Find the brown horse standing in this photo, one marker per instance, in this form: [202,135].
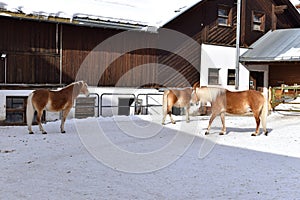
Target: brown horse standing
[54,101]
[177,98]
[223,101]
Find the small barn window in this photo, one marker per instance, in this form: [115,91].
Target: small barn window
[213,76]
[231,77]
[224,16]
[258,21]
[15,110]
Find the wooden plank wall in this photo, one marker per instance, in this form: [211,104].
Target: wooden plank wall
[200,22]
[32,51]
[106,64]
[284,73]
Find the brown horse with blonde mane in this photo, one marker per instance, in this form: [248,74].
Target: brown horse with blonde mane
[179,97]
[54,101]
[239,103]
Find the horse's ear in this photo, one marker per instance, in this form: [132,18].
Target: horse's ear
[81,83]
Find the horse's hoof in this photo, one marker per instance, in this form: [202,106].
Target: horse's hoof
[206,133]
[63,131]
[221,133]
[173,122]
[266,133]
[44,132]
[31,132]
[253,134]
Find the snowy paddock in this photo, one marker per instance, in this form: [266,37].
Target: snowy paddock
[77,166]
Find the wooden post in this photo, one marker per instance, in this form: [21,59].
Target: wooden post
[276,10]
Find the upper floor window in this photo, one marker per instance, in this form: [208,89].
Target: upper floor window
[258,21]
[224,16]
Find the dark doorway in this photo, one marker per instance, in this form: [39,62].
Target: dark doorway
[256,80]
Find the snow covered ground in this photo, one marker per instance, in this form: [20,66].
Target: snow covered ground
[154,162]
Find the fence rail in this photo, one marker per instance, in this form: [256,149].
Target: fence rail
[285,95]
[124,106]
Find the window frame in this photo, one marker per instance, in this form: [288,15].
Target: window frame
[258,19]
[231,77]
[211,77]
[227,16]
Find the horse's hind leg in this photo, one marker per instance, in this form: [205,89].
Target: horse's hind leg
[257,119]
[172,120]
[164,117]
[39,121]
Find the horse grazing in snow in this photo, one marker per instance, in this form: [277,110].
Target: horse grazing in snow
[178,98]
[54,101]
[223,101]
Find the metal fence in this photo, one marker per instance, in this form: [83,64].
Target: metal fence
[128,101]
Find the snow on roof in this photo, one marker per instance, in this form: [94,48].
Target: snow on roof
[144,12]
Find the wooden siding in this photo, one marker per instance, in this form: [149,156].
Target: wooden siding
[200,22]
[31,49]
[83,48]
[284,73]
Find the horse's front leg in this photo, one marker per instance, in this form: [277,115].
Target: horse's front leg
[213,116]
[187,114]
[63,119]
[223,131]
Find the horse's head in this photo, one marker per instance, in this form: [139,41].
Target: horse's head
[84,88]
[194,97]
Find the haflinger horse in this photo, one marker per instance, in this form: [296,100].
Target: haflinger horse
[179,97]
[224,101]
[53,101]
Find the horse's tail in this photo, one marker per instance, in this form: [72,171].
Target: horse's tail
[264,114]
[29,111]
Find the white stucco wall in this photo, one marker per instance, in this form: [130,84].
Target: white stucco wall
[223,58]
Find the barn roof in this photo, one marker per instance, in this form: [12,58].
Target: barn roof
[275,46]
[134,13]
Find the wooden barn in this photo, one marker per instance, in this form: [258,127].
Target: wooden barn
[197,43]
[40,50]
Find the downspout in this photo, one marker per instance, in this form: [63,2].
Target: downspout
[60,54]
[238,36]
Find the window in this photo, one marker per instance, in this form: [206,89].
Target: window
[258,21]
[213,76]
[224,16]
[15,110]
[231,77]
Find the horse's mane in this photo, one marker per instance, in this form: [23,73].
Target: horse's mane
[210,93]
[73,87]
[74,83]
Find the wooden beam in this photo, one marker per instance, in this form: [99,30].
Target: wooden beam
[280,9]
[274,18]
[276,10]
